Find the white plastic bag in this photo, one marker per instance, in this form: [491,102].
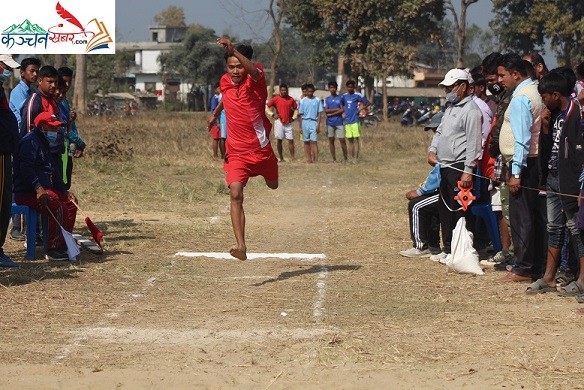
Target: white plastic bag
[463,257]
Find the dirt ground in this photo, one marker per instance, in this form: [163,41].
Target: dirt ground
[362,317]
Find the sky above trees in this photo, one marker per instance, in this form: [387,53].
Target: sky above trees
[243,18]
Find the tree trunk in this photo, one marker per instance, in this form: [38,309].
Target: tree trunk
[80,96]
[58,60]
[276,21]
[384,93]
[461,35]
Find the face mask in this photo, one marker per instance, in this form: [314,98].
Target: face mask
[494,88]
[51,136]
[5,75]
[452,97]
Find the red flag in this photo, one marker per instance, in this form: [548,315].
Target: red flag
[95,232]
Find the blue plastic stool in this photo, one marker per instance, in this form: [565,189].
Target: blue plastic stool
[31,216]
[485,211]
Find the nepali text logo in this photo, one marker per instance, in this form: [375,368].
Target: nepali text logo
[31,34]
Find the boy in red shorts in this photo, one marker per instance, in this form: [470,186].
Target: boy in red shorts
[248,152]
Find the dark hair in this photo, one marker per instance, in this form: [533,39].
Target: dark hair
[28,62]
[303,86]
[512,62]
[491,62]
[580,69]
[333,84]
[535,58]
[569,75]
[310,86]
[245,50]
[530,70]
[283,86]
[350,82]
[65,71]
[48,71]
[552,82]
[477,76]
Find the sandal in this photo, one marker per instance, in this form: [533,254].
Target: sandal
[571,290]
[564,278]
[580,298]
[540,286]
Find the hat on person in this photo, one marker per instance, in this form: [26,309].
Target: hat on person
[9,61]
[434,122]
[46,118]
[453,76]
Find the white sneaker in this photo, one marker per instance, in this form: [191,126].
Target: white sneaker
[439,258]
[446,260]
[502,256]
[415,252]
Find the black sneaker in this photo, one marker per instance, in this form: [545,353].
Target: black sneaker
[16,235]
[57,255]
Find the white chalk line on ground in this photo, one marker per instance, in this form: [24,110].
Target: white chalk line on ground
[252,256]
[318,308]
[195,337]
[80,337]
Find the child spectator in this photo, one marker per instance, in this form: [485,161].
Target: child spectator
[309,111]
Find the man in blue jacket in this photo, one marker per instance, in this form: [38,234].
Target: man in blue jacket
[38,182]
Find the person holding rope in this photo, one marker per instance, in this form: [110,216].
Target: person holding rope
[456,145]
[519,146]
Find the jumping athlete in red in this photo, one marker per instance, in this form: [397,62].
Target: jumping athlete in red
[248,151]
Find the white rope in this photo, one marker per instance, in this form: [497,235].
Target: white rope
[527,188]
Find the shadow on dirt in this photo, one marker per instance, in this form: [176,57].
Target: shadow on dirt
[315,269]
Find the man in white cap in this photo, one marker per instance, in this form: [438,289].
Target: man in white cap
[9,137]
[457,147]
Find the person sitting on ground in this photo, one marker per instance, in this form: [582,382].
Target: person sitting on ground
[38,183]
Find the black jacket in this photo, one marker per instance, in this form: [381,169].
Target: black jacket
[570,159]
[8,126]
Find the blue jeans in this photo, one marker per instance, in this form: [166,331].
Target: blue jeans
[558,218]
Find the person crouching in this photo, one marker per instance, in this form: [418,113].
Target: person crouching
[38,183]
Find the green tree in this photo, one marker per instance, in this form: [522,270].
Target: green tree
[171,16]
[524,25]
[381,37]
[196,61]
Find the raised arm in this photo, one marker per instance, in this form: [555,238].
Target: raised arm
[247,64]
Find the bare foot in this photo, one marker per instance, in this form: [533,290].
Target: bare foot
[238,252]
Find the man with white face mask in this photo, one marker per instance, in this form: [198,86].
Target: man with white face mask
[9,144]
[38,182]
[457,147]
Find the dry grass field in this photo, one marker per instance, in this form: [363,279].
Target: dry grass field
[359,317]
